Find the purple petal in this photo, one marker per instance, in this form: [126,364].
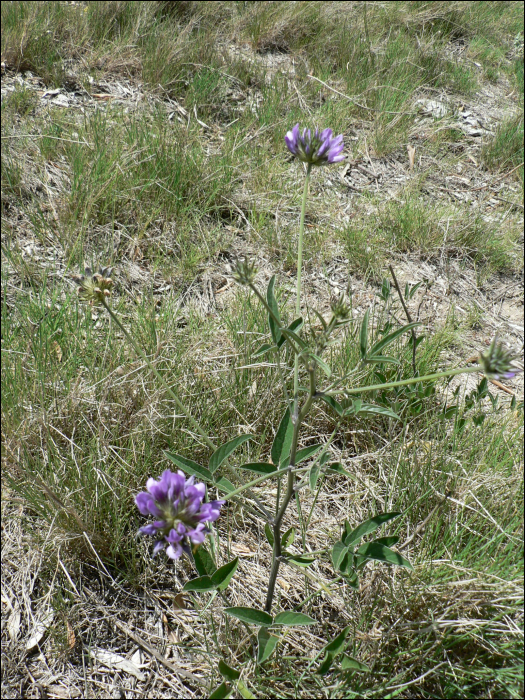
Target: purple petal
[174,537]
[146,505]
[195,492]
[210,511]
[291,139]
[158,547]
[198,534]
[174,551]
[149,529]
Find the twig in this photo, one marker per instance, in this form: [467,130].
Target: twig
[151,650]
[409,317]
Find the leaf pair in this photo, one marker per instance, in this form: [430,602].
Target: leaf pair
[373,354]
[267,639]
[218,580]
[348,561]
[333,649]
[357,407]
[218,457]
[278,333]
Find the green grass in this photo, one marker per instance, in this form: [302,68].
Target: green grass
[169,182]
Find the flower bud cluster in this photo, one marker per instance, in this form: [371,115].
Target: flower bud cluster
[497,362]
[244,272]
[94,286]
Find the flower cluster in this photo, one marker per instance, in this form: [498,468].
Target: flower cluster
[177,503]
[497,362]
[319,149]
[94,286]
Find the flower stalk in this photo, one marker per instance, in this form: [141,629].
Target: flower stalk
[299,278]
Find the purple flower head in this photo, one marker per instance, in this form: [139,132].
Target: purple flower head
[177,504]
[497,362]
[319,149]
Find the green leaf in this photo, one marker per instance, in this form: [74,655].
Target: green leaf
[321,319]
[306,452]
[295,326]
[269,534]
[379,552]
[324,667]
[251,616]
[243,690]
[300,560]
[203,561]
[288,538]
[335,405]
[283,439]
[410,291]
[259,467]
[201,584]
[290,335]
[377,347]
[382,359]
[322,364]
[353,408]
[313,476]
[379,410]
[350,664]
[228,672]
[363,336]
[346,565]
[222,577]
[267,641]
[301,455]
[221,691]
[188,466]
[224,451]
[352,580]
[388,541]
[272,303]
[225,485]
[337,468]
[367,527]
[263,350]
[338,552]
[291,619]
[332,649]
[337,644]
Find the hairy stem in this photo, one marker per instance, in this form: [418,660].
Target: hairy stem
[299,277]
[404,382]
[277,550]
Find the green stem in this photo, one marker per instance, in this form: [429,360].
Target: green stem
[404,382]
[299,276]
